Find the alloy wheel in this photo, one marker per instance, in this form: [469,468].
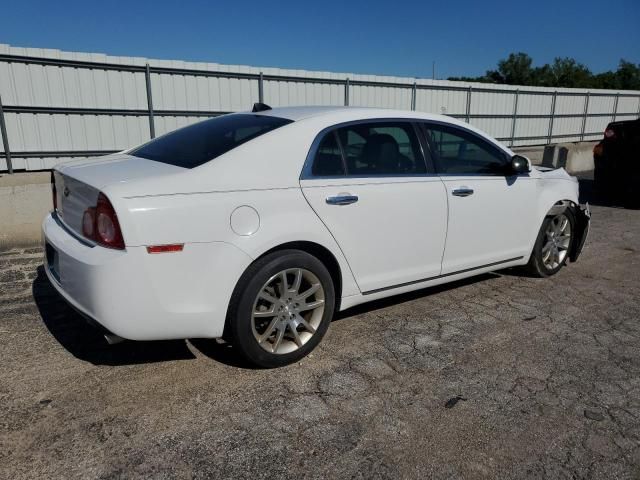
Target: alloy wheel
[288,310]
[557,242]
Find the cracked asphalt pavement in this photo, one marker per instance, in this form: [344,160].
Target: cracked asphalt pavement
[500,376]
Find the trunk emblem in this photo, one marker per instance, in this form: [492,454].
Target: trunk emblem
[66,191]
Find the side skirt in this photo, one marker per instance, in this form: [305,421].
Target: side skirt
[422,280]
[372,295]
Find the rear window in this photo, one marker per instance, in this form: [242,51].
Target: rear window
[199,143]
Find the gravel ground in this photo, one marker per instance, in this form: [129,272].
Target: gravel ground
[547,371]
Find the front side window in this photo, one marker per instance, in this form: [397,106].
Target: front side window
[458,152]
[201,142]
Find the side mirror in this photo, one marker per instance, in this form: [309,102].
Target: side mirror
[520,164]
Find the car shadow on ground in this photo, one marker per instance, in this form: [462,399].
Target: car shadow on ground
[221,352]
[87,343]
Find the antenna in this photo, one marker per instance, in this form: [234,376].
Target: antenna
[260,107]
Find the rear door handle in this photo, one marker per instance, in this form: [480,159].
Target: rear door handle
[342,199]
[462,192]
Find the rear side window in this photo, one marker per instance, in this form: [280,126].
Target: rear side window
[369,149]
[458,152]
[328,160]
[381,148]
[201,142]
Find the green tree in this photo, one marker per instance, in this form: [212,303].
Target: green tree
[565,72]
[605,80]
[542,76]
[628,76]
[515,70]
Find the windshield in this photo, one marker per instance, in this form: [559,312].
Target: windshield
[201,142]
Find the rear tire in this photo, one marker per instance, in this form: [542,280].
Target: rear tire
[281,308]
[551,250]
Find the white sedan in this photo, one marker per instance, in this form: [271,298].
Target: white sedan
[256,227]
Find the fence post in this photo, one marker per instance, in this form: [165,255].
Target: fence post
[615,107]
[5,139]
[584,116]
[515,114]
[413,96]
[468,113]
[346,92]
[152,127]
[553,113]
[261,88]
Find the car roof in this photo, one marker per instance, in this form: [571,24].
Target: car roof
[357,113]
[337,115]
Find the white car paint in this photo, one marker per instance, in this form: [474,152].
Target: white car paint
[396,231]
[495,225]
[404,233]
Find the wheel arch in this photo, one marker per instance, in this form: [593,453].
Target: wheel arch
[322,253]
[557,208]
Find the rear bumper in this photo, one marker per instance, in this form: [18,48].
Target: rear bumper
[139,296]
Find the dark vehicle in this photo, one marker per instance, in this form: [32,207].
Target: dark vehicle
[617,162]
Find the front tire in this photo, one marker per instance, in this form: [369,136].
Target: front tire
[281,308]
[551,250]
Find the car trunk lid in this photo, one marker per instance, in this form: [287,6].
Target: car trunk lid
[78,183]
[117,168]
[73,197]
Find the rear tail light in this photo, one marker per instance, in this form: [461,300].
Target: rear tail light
[100,224]
[54,192]
[609,133]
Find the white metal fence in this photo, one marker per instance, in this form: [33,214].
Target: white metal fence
[58,105]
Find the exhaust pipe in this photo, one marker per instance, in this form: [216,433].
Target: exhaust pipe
[113,339]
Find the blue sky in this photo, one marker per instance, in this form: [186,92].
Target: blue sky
[383,37]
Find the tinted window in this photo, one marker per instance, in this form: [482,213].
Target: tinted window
[328,161]
[460,152]
[381,149]
[199,143]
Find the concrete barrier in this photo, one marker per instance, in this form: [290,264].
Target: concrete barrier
[573,157]
[25,199]
[532,153]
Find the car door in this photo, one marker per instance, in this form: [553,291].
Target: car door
[490,210]
[370,185]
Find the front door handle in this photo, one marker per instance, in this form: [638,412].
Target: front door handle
[462,192]
[342,199]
